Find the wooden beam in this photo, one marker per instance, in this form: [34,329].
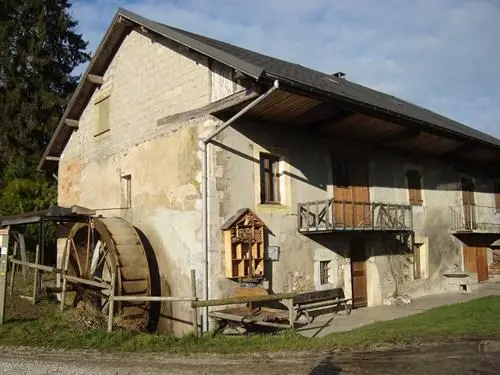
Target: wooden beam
[212,108]
[125,21]
[52,158]
[71,123]
[96,79]
[245,299]
[403,135]
[458,151]
[336,120]
[320,112]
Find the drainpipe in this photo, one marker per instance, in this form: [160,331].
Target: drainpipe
[204,191]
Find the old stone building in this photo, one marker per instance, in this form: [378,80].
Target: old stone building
[349,187]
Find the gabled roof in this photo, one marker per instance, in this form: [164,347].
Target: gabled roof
[261,68]
[239,215]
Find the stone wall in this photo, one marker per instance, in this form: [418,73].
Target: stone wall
[147,80]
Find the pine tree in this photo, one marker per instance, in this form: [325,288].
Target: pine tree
[39,49]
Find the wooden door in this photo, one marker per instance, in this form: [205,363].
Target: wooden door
[358,273]
[351,192]
[476,260]
[469,204]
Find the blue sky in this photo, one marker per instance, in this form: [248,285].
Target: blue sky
[440,54]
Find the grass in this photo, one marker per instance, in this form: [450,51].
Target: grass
[43,325]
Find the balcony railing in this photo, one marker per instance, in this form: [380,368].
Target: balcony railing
[474,218]
[341,215]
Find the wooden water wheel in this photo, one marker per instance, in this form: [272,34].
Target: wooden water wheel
[96,250]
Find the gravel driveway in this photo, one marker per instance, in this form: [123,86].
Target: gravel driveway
[463,358]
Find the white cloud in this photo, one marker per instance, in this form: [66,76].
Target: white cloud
[442,54]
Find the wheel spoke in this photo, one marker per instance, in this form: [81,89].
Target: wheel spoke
[76,257]
[101,260]
[95,258]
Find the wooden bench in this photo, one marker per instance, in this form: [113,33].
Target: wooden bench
[305,303]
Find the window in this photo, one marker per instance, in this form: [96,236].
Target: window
[269,179]
[101,119]
[414,179]
[496,191]
[324,272]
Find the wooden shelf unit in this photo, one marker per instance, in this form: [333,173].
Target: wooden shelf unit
[244,248]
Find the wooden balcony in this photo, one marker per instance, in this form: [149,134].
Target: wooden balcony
[472,218]
[339,215]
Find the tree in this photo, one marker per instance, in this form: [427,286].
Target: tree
[39,50]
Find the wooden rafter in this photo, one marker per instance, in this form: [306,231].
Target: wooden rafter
[96,79]
[405,134]
[71,123]
[459,151]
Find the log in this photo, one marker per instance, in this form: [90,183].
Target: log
[238,300]
[245,320]
[152,299]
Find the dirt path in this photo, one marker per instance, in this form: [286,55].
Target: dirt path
[451,359]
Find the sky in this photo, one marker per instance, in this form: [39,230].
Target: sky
[441,54]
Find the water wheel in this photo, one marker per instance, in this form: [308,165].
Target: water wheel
[99,248]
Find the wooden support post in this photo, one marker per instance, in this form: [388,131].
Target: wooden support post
[299,216]
[308,208]
[42,255]
[327,214]
[13,271]
[111,302]
[343,213]
[195,309]
[35,278]
[317,216]
[291,313]
[64,272]
[4,246]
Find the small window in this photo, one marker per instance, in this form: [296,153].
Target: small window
[101,122]
[324,272]
[496,191]
[414,179]
[269,179]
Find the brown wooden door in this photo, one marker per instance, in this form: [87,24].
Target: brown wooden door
[358,273]
[476,260]
[351,191]
[469,204]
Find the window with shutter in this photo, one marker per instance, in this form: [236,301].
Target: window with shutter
[101,118]
[269,178]
[414,179]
